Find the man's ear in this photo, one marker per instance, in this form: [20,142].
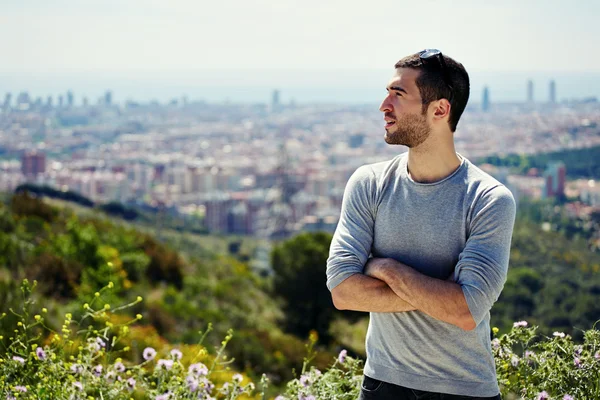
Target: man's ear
[442,108]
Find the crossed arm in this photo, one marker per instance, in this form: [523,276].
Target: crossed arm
[390,286]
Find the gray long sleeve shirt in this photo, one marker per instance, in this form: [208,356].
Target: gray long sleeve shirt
[463,225]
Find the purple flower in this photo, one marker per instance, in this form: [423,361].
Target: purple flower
[342,356]
[149,353]
[165,396]
[100,342]
[578,350]
[542,396]
[514,361]
[192,383]
[557,334]
[130,383]
[19,359]
[305,380]
[597,355]
[119,367]
[21,389]
[40,353]
[496,343]
[238,378]
[207,385]
[577,362]
[317,372]
[176,354]
[280,397]
[77,368]
[520,324]
[78,385]
[198,369]
[164,364]
[307,397]
[567,397]
[97,370]
[529,354]
[110,376]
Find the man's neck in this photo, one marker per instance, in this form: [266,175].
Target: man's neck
[426,165]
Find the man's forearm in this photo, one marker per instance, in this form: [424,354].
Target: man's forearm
[443,300]
[363,293]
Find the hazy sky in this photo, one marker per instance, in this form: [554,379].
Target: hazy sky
[177,35]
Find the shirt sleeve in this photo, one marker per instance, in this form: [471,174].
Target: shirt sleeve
[483,264]
[353,237]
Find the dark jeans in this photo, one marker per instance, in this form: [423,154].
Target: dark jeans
[373,389]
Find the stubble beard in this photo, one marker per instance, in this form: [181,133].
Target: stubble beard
[409,130]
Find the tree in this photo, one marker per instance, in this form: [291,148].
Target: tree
[299,265]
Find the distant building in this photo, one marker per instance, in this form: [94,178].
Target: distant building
[485,101]
[552,93]
[554,180]
[530,91]
[60,101]
[33,163]
[108,98]
[70,99]
[7,101]
[275,101]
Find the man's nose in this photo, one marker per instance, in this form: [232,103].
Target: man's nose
[385,105]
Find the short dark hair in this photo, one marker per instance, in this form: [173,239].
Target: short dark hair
[432,86]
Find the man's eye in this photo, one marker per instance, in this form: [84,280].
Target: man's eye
[398,94]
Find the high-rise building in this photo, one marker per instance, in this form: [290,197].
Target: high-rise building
[33,163]
[70,99]
[7,100]
[530,91]
[49,101]
[108,98]
[60,101]
[554,180]
[85,102]
[485,101]
[275,101]
[552,92]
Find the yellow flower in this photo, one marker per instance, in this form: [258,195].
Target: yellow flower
[139,316]
[495,330]
[44,310]
[37,317]
[139,298]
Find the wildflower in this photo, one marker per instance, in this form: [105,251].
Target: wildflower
[130,383]
[495,330]
[164,364]
[250,386]
[176,354]
[308,397]
[514,361]
[558,334]
[225,388]
[542,396]
[78,385]
[305,380]
[165,396]
[100,342]
[40,353]
[317,372]
[342,356]
[577,362]
[198,369]
[110,376]
[207,385]
[578,350]
[567,397]
[119,367]
[238,378]
[280,397]
[496,343]
[597,355]
[192,383]
[520,324]
[529,354]
[21,389]
[149,353]
[19,359]
[97,370]
[76,368]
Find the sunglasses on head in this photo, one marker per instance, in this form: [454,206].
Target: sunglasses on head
[434,56]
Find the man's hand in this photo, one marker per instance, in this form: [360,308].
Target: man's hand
[377,267]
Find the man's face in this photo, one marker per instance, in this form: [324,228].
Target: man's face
[406,124]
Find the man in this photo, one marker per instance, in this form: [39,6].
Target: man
[439,231]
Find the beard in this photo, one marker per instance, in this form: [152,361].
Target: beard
[410,130]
